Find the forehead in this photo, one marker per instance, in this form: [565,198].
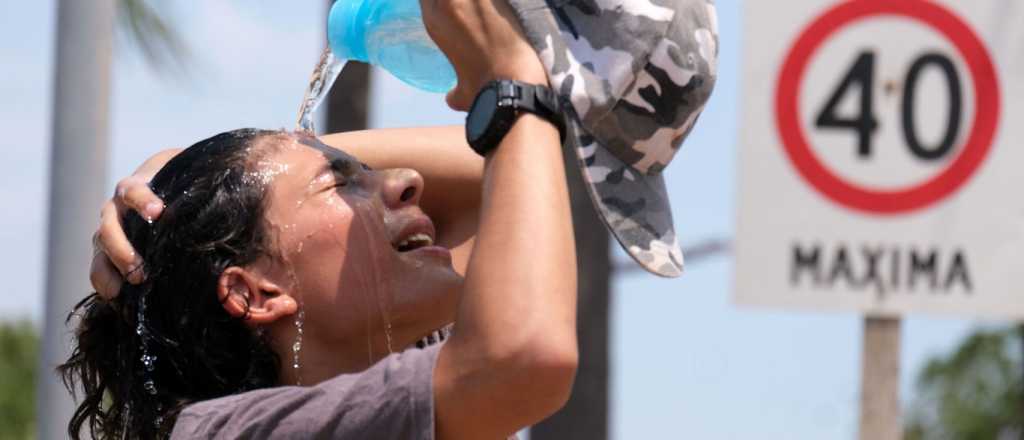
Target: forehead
[328,152]
[305,154]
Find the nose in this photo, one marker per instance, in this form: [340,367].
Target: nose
[401,187]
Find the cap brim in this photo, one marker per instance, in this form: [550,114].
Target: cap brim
[634,206]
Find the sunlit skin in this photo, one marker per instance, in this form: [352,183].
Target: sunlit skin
[512,357]
[332,222]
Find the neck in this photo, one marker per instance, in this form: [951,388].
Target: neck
[320,360]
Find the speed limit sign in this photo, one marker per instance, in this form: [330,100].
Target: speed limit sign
[881,158]
[860,80]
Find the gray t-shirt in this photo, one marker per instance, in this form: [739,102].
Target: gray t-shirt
[393,399]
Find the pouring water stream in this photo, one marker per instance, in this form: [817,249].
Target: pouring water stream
[326,71]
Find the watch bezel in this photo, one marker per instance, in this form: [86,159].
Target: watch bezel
[501,119]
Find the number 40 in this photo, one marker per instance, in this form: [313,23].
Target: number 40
[862,73]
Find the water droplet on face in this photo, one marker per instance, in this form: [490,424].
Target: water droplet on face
[265,172]
[380,285]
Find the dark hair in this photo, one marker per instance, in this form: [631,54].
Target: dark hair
[213,220]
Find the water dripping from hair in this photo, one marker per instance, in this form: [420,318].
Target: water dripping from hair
[263,174]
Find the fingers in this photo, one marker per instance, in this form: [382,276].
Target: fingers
[104,277]
[458,99]
[484,41]
[134,193]
[111,242]
[114,258]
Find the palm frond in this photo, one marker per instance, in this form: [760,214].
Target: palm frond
[150,32]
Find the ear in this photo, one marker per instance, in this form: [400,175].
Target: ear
[244,293]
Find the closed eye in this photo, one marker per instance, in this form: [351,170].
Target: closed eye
[340,170]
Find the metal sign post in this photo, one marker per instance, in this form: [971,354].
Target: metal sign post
[880,380]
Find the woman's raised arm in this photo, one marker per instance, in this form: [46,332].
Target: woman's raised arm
[512,356]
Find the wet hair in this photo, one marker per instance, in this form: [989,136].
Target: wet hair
[213,220]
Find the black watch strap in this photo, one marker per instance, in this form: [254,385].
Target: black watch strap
[513,98]
[539,100]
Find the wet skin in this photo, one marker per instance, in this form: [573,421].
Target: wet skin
[333,224]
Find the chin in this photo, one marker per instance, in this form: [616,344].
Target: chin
[428,295]
[436,309]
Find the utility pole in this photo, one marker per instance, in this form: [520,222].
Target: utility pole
[348,104]
[585,416]
[78,178]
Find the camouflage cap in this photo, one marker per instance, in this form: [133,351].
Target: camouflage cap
[632,76]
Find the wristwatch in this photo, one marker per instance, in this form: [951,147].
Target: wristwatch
[500,103]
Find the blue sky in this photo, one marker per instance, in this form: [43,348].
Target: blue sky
[687,363]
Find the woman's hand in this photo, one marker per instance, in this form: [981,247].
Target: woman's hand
[484,41]
[114,259]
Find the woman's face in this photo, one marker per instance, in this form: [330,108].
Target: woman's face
[354,248]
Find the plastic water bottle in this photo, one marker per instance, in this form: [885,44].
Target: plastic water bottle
[389,34]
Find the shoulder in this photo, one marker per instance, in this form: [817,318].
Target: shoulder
[391,399]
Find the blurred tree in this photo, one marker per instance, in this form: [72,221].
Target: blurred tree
[19,351]
[152,35]
[976,392]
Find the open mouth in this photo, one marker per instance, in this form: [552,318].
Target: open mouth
[413,242]
[435,337]
[417,233]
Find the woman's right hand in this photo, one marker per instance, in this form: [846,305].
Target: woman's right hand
[114,259]
[484,41]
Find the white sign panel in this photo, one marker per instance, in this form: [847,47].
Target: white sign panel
[882,157]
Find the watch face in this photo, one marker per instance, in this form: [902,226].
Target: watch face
[481,113]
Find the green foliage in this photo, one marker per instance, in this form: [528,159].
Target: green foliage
[19,350]
[159,43]
[976,392]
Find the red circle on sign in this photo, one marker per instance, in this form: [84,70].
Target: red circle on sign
[975,149]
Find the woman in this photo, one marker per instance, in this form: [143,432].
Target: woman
[279,261]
